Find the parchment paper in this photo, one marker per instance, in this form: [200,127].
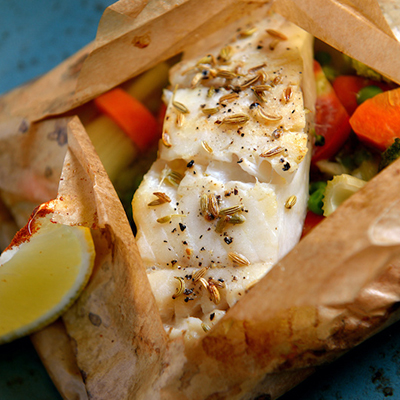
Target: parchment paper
[342,287]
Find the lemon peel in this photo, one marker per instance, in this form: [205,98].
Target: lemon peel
[42,272]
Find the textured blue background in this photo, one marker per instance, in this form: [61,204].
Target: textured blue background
[35,35]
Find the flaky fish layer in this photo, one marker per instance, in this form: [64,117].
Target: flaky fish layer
[227,197]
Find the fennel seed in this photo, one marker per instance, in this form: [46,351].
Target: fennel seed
[276,34]
[228,98]
[213,207]
[166,139]
[267,117]
[238,258]
[214,293]
[273,151]
[161,199]
[174,178]
[206,146]
[199,274]
[247,32]
[256,68]
[236,119]
[210,111]
[231,210]
[181,287]
[223,73]
[290,202]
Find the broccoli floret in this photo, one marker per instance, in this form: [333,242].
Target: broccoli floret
[362,69]
[391,154]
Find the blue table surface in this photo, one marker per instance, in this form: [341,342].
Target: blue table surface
[36,35]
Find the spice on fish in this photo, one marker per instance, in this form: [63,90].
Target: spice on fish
[221,224]
[231,210]
[199,274]
[236,119]
[206,146]
[287,94]
[290,202]
[228,98]
[276,34]
[247,32]
[210,111]
[223,73]
[236,219]
[181,287]
[225,54]
[272,152]
[267,117]
[238,258]
[174,178]
[213,206]
[214,293]
[161,199]
[166,139]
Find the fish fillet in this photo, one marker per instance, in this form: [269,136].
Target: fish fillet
[227,196]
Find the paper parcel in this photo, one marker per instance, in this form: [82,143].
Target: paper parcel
[336,288]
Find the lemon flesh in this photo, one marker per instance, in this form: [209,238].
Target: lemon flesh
[40,278]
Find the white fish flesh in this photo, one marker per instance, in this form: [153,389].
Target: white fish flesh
[227,197]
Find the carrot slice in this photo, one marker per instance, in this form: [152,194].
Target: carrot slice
[131,116]
[376,121]
[331,119]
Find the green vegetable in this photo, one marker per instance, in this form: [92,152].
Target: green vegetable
[330,72]
[323,57]
[363,70]
[367,93]
[358,160]
[319,140]
[315,201]
[339,189]
[391,154]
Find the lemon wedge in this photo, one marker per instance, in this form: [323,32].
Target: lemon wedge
[42,272]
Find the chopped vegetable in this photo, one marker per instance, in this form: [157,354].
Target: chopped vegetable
[311,221]
[330,73]
[331,168]
[317,192]
[323,58]
[367,93]
[339,189]
[358,160]
[377,121]
[391,154]
[362,69]
[367,169]
[115,149]
[331,120]
[131,116]
[348,87]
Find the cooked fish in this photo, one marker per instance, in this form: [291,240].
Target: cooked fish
[227,197]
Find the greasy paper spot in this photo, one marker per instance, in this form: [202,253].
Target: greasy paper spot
[385,231]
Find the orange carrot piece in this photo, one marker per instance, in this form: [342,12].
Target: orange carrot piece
[377,120]
[131,116]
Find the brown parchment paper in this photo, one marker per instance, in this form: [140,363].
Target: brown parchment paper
[343,283]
